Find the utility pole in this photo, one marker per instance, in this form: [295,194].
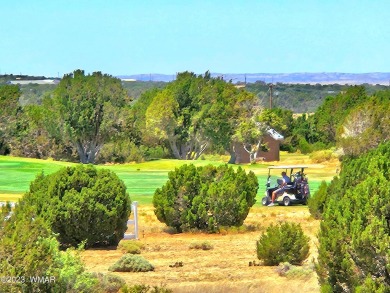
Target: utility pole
[270,95]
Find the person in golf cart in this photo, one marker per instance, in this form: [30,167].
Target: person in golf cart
[283,184]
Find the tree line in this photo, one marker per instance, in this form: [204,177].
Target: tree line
[91,115]
[301,98]
[92,119]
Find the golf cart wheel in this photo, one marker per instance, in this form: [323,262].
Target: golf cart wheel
[286,201]
[265,201]
[306,199]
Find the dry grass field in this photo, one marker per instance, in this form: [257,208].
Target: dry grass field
[225,268]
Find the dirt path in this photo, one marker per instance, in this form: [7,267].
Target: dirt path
[225,268]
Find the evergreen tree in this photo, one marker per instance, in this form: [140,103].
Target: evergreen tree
[205,198]
[81,204]
[355,231]
[195,112]
[89,107]
[9,108]
[29,249]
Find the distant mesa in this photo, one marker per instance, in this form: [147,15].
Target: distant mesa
[148,77]
[382,78]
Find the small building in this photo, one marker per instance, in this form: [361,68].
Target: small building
[271,139]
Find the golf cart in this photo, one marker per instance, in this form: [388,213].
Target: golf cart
[295,192]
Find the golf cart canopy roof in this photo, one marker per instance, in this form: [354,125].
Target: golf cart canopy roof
[287,167]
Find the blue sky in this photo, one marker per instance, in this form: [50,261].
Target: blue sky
[127,37]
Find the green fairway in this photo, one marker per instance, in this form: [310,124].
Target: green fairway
[140,179]
[17,173]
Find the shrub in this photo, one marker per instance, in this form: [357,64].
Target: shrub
[316,203]
[135,154]
[120,151]
[129,246]
[109,283]
[283,243]
[22,240]
[28,248]
[321,156]
[5,212]
[318,146]
[201,245]
[304,146]
[81,204]
[145,289]
[153,153]
[131,263]
[205,198]
[294,272]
